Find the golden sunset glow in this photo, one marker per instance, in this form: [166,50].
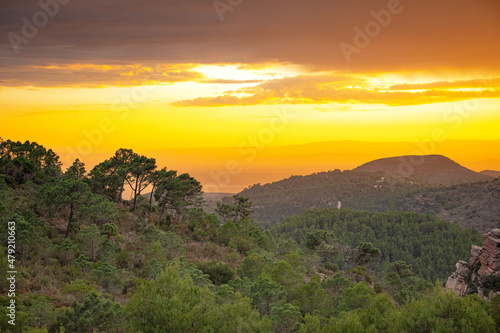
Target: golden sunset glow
[285,103]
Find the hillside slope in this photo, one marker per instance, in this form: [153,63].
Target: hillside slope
[369,191]
[491,173]
[432,246]
[474,205]
[432,169]
[470,205]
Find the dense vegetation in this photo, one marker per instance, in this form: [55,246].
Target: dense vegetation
[475,205]
[430,245]
[89,261]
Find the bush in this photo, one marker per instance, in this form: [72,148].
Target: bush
[333,267]
[242,244]
[491,282]
[219,273]
[110,229]
[95,313]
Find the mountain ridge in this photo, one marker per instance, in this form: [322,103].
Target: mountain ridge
[433,169]
[474,204]
[491,173]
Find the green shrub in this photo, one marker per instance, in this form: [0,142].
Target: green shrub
[218,272]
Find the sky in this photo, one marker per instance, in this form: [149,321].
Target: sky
[237,92]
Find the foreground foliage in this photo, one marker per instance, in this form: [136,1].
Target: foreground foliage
[90,261]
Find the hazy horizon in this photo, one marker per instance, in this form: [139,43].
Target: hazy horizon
[267,88]
[278,162]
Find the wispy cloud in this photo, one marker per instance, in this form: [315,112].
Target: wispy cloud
[326,89]
[228,81]
[94,75]
[493,83]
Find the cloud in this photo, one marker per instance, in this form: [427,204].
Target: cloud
[327,89]
[426,34]
[225,81]
[92,76]
[486,83]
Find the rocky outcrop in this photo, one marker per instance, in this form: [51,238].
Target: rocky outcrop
[475,251]
[482,273]
[490,255]
[457,281]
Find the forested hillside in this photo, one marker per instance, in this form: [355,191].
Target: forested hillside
[356,190]
[86,260]
[430,245]
[474,205]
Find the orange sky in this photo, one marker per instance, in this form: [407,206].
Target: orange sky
[257,93]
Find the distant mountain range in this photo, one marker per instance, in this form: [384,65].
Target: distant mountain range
[431,169]
[431,184]
[491,173]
